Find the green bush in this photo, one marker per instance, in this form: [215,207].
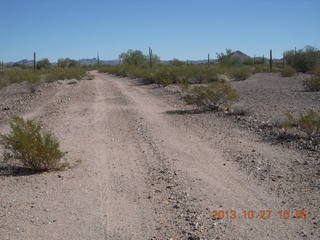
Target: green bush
[43,63]
[32,147]
[67,63]
[288,71]
[240,73]
[18,76]
[308,122]
[214,96]
[65,73]
[303,60]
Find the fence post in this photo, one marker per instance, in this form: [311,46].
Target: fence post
[34,61]
[150,57]
[270,61]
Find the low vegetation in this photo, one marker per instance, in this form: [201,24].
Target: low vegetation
[31,146]
[312,84]
[288,71]
[214,96]
[33,78]
[240,73]
[308,123]
[65,73]
[303,60]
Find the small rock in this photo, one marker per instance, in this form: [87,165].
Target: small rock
[73,81]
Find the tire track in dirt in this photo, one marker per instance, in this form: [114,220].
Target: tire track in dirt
[141,176]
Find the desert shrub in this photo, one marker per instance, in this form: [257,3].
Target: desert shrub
[248,61]
[133,57]
[3,81]
[288,71]
[168,73]
[308,122]
[137,58]
[31,146]
[313,83]
[65,73]
[43,63]
[303,60]
[177,62]
[18,76]
[214,96]
[227,59]
[165,82]
[10,76]
[67,63]
[240,73]
[261,68]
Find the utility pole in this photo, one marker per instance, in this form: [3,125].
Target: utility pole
[98,59]
[208,59]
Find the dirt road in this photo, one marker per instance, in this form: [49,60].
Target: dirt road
[140,171]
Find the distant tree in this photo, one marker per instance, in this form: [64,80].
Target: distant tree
[133,57]
[176,62]
[303,60]
[67,63]
[226,58]
[223,56]
[44,63]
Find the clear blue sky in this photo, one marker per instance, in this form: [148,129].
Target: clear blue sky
[186,29]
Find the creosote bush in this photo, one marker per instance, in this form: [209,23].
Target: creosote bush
[288,71]
[303,60]
[308,122]
[65,73]
[31,146]
[240,73]
[214,96]
[34,78]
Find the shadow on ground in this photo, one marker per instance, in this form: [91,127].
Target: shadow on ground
[187,112]
[14,171]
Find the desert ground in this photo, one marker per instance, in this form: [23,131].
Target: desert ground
[146,166]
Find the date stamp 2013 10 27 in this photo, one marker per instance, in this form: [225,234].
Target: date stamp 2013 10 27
[262,214]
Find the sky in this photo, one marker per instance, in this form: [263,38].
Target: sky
[183,29]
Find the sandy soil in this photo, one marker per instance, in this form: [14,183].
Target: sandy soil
[145,167]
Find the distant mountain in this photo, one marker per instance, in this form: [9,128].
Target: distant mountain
[191,61]
[239,56]
[93,61]
[25,62]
